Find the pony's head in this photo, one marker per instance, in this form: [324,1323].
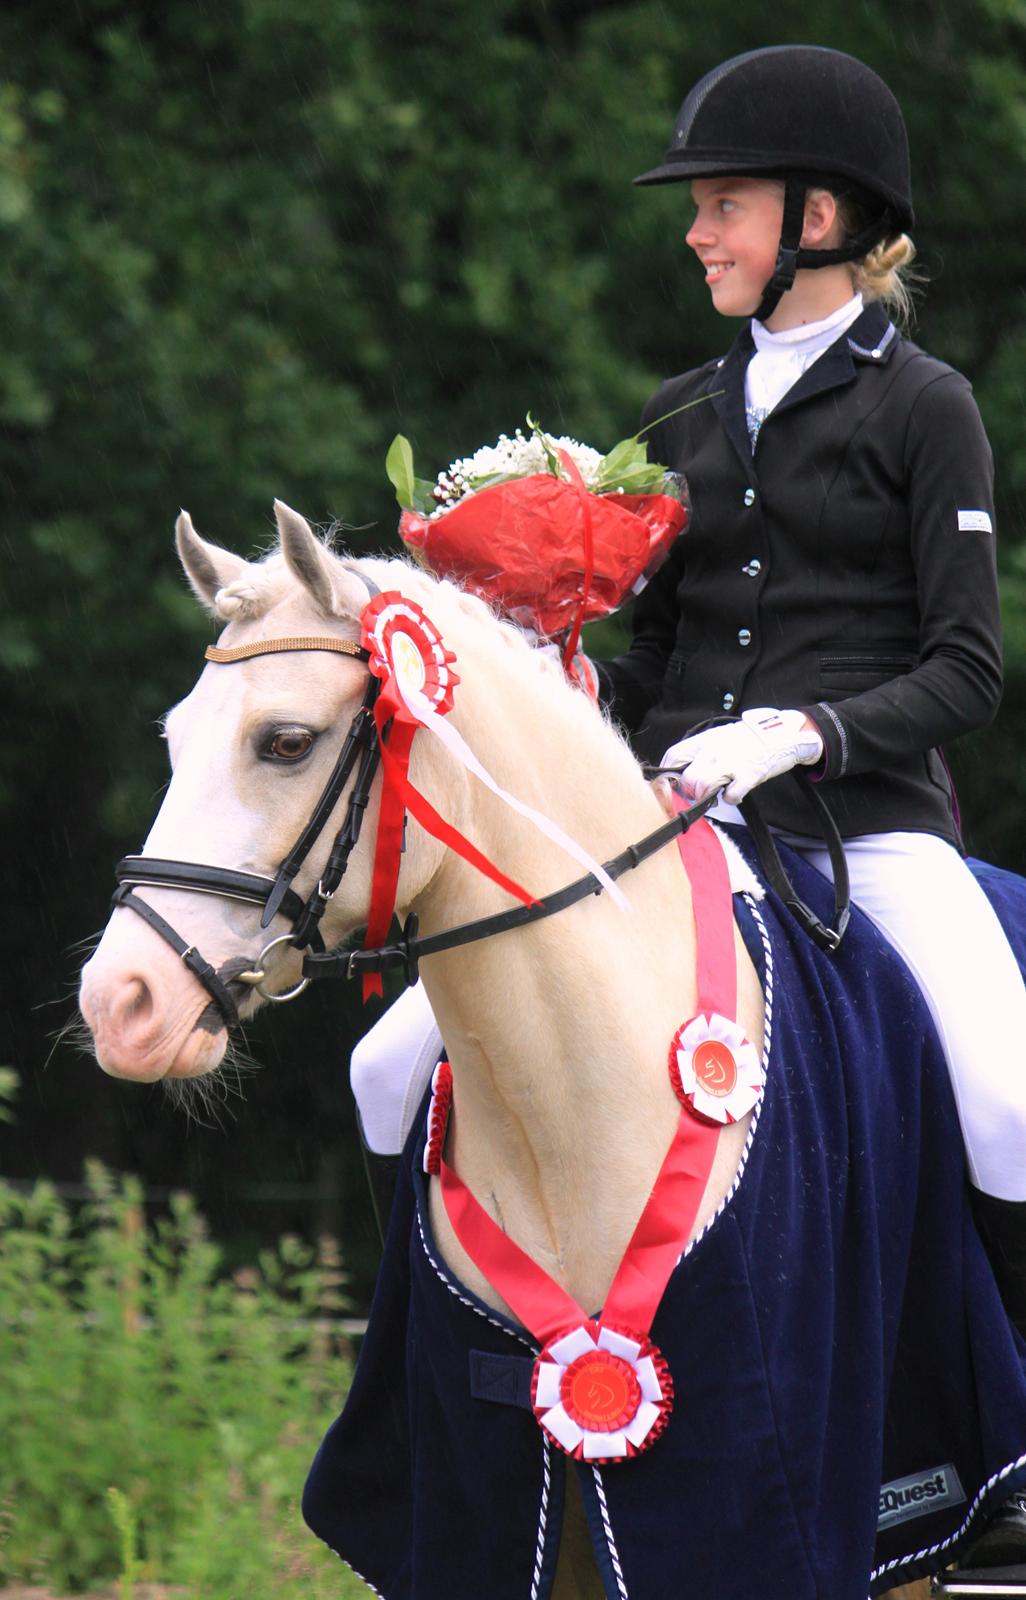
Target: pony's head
[252,748]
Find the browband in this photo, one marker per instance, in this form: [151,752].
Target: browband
[273,647]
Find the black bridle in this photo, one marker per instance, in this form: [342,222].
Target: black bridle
[361,753]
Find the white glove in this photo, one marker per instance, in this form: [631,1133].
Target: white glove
[762,745]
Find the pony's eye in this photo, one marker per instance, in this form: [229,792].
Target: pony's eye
[290,744]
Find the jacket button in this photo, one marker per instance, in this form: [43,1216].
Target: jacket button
[728,700]
[744,636]
[752,568]
[749,497]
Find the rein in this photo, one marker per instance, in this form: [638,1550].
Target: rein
[408,951]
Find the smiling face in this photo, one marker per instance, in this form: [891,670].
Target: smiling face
[735,234]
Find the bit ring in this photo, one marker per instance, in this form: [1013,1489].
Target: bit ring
[257,976]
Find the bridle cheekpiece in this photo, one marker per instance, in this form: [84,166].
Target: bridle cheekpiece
[360,751]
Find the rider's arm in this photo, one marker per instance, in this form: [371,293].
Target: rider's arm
[956,685]
[631,683]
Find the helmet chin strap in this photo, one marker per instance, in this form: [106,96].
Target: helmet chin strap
[787,251]
[791,258]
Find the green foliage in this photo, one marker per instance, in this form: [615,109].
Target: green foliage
[157,1418]
[245,244]
[126,1522]
[8,1091]
[399,470]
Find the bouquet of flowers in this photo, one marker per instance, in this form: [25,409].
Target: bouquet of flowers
[548,530]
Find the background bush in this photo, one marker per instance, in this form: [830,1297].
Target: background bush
[158,1419]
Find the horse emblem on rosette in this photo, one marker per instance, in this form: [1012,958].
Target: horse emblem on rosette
[669,1297]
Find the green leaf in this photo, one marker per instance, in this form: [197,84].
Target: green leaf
[551,458]
[423,496]
[399,467]
[645,478]
[628,453]
[9,1084]
[489,481]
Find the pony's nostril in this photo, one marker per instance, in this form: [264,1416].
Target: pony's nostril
[132,1010]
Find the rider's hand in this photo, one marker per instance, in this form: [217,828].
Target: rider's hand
[763,744]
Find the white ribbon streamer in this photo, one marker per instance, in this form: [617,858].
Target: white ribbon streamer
[420,707]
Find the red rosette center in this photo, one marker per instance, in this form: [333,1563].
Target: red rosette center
[717,1073]
[715,1068]
[600,1392]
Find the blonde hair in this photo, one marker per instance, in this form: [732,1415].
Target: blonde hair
[886,273]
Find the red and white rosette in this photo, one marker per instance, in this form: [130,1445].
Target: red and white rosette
[437,1117]
[601,1395]
[407,651]
[715,1071]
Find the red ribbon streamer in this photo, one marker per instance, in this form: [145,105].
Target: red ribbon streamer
[588,537]
[715,963]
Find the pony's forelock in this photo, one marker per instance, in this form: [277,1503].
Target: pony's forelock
[265,582]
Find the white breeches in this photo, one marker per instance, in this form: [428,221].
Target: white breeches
[390,1067]
[926,902]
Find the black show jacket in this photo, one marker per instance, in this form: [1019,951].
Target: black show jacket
[847,568]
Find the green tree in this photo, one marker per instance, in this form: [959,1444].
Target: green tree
[245,243]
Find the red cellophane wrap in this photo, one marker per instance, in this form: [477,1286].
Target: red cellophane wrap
[521,546]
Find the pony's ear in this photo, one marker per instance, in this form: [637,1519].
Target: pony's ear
[337,591]
[207,567]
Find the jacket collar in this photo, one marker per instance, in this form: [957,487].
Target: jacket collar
[870,341]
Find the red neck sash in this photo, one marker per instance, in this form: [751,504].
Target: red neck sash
[601,1389]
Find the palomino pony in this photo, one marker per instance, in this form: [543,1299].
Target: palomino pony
[787,1319]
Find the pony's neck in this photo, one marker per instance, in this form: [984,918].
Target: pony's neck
[559,1033]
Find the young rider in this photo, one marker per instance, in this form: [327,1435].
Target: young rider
[836,589]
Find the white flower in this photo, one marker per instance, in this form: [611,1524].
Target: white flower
[518,457]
